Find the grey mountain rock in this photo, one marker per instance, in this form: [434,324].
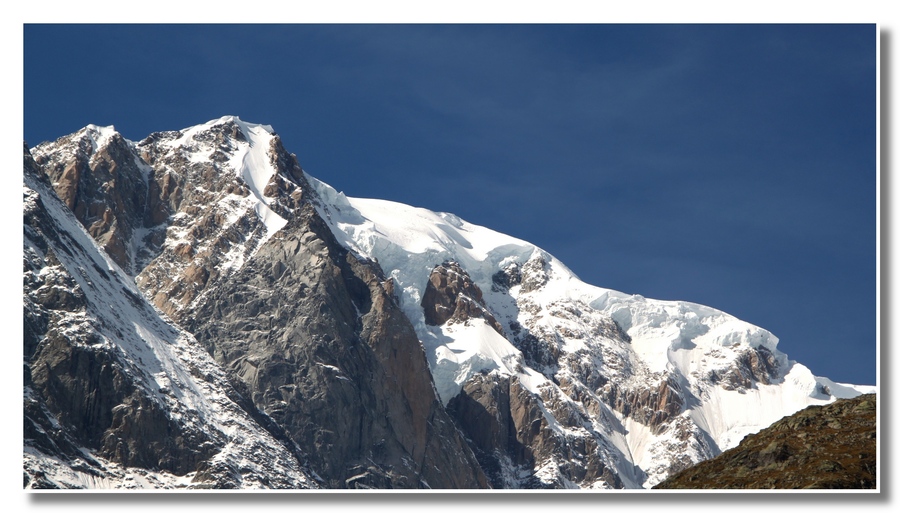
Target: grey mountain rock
[111,388]
[324,349]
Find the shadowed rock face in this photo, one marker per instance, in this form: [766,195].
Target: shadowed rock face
[512,438]
[87,389]
[506,427]
[831,446]
[484,412]
[323,348]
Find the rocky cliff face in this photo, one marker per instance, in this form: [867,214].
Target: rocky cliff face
[515,443]
[224,239]
[114,395]
[322,347]
[97,176]
[824,447]
[215,217]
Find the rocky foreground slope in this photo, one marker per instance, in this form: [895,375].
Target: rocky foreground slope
[378,344]
[832,446]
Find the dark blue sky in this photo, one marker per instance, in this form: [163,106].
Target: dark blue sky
[728,165]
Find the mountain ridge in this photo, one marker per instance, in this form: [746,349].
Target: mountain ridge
[592,387]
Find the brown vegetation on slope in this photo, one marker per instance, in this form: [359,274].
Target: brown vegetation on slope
[831,446]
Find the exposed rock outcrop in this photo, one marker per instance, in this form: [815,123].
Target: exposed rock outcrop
[77,379]
[211,225]
[451,296]
[534,273]
[652,405]
[489,421]
[105,185]
[753,365]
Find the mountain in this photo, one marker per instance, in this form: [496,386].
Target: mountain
[115,395]
[383,345]
[832,446]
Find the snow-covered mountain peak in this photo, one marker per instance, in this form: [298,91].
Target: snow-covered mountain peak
[599,388]
[232,128]
[248,149]
[100,135]
[87,142]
